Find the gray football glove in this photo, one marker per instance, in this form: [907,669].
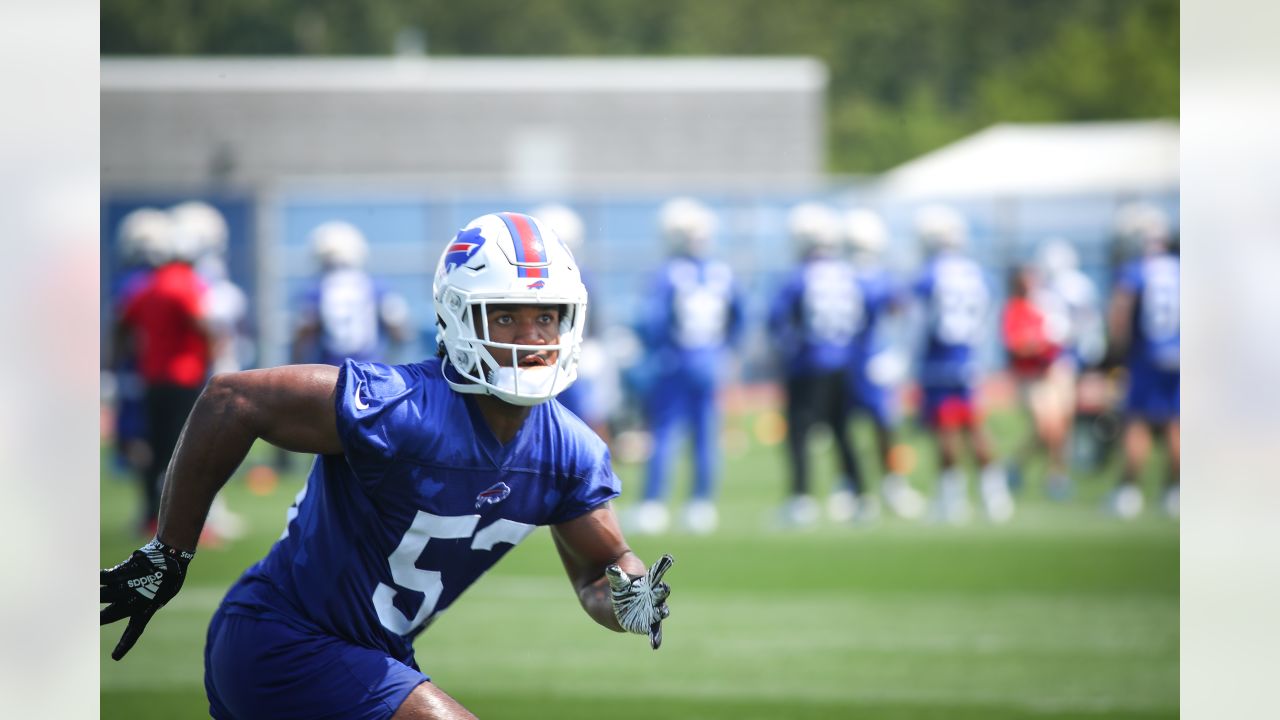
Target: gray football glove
[640,602]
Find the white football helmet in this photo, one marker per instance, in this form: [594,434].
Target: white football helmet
[941,227]
[507,259]
[1058,256]
[814,228]
[145,236]
[865,232]
[200,228]
[1142,227]
[338,244]
[688,226]
[566,223]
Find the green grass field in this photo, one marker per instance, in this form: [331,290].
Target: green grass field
[1063,613]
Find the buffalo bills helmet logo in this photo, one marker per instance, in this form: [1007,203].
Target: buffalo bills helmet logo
[463,247]
[537,285]
[495,494]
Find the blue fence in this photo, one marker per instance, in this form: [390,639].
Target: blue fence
[406,229]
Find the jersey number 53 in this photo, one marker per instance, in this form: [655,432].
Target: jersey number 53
[406,573]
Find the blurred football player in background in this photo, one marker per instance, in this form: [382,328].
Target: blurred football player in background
[227,306]
[226,310]
[143,239]
[877,367]
[461,453]
[1033,329]
[693,316]
[814,320]
[346,314]
[1085,340]
[1074,309]
[591,396]
[1145,327]
[164,324]
[957,302]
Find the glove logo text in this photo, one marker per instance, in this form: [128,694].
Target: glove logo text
[146,579]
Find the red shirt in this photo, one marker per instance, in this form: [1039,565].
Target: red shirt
[1030,350]
[165,319]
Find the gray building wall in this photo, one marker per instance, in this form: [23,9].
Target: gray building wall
[523,125]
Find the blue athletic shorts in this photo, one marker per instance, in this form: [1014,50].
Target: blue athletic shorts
[1154,395]
[263,668]
[876,400]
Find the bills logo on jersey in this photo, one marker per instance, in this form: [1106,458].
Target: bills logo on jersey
[495,494]
[537,285]
[464,246]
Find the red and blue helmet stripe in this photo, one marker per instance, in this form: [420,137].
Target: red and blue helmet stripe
[531,252]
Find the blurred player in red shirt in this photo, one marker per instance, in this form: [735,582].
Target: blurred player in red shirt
[165,320]
[1045,382]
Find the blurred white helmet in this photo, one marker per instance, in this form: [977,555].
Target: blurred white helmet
[564,221]
[200,228]
[814,228]
[145,236]
[687,225]
[507,259]
[338,244]
[1058,256]
[1142,227]
[865,231]
[941,227]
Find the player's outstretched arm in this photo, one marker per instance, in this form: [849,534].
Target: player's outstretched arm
[613,584]
[291,406]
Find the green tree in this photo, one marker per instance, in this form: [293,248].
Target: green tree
[905,75]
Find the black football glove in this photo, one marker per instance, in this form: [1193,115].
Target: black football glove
[139,586]
[640,603]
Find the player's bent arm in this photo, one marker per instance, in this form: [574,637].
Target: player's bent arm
[587,545]
[291,407]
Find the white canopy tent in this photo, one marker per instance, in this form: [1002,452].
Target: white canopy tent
[1011,159]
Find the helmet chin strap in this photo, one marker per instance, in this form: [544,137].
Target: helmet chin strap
[536,384]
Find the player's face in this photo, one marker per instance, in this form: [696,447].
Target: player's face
[523,325]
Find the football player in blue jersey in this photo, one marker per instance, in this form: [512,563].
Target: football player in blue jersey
[816,314]
[346,315]
[877,366]
[957,302]
[426,475]
[589,396]
[1145,328]
[692,317]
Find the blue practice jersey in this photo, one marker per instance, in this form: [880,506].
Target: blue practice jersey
[694,313]
[423,501]
[817,314]
[1156,334]
[346,305]
[880,292]
[957,302]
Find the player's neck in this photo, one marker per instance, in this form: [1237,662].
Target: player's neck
[503,418]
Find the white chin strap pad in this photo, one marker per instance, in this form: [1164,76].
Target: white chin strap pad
[535,384]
